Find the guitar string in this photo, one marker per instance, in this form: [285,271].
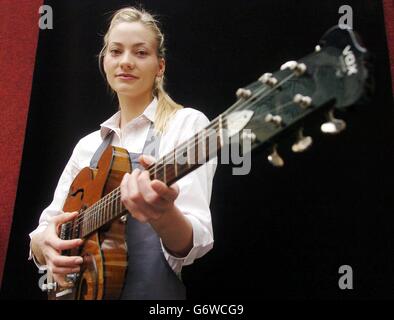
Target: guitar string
[113,195]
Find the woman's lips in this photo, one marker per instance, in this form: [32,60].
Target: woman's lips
[126,77]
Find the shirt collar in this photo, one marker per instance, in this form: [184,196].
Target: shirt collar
[113,123]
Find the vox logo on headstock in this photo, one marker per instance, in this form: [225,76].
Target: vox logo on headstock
[349,60]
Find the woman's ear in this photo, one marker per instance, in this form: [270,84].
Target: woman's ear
[162,67]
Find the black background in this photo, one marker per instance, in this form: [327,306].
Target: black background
[279,233]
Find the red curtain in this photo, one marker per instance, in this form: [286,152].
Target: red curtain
[389,19]
[18,38]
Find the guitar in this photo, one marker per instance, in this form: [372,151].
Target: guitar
[335,76]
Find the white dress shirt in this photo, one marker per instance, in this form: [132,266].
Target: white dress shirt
[195,188]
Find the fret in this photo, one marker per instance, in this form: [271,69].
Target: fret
[75,230]
[96,216]
[91,218]
[117,197]
[85,225]
[101,213]
[164,171]
[108,208]
[97,213]
[104,211]
[108,211]
[113,201]
[89,223]
[92,215]
[112,207]
[207,142]
[175,162]
[82,228]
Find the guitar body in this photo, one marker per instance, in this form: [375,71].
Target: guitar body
[104,252]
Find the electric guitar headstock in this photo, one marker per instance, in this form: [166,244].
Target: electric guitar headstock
[334,77]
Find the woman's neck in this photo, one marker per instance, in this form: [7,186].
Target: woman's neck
[131,107]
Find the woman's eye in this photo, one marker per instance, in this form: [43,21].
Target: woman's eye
[114,51]
[142,53]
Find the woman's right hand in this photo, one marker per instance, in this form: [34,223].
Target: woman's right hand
[48,246]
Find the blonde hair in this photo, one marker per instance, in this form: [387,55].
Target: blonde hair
[166,106]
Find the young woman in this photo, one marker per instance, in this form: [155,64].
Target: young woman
[168,227]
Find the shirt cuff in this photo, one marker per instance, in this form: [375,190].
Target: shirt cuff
[202,243]
[42,267]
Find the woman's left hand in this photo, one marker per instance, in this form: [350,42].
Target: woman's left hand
[147,200]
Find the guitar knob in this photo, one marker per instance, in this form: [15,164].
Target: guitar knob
[123,218]
[71,277]
[48,287]
[303,143]
[333,125]
[275,159]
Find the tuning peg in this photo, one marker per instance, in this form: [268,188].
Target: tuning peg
[248,135]
[302,143]
[275,159]
[333,125]
[268,79]
[298,68]
[303,101]
[243,93]
[275,119]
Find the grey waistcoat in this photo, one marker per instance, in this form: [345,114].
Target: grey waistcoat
[149,276]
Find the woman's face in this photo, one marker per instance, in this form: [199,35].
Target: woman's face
[131,63]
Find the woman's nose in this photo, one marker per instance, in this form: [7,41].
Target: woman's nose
[127,61]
